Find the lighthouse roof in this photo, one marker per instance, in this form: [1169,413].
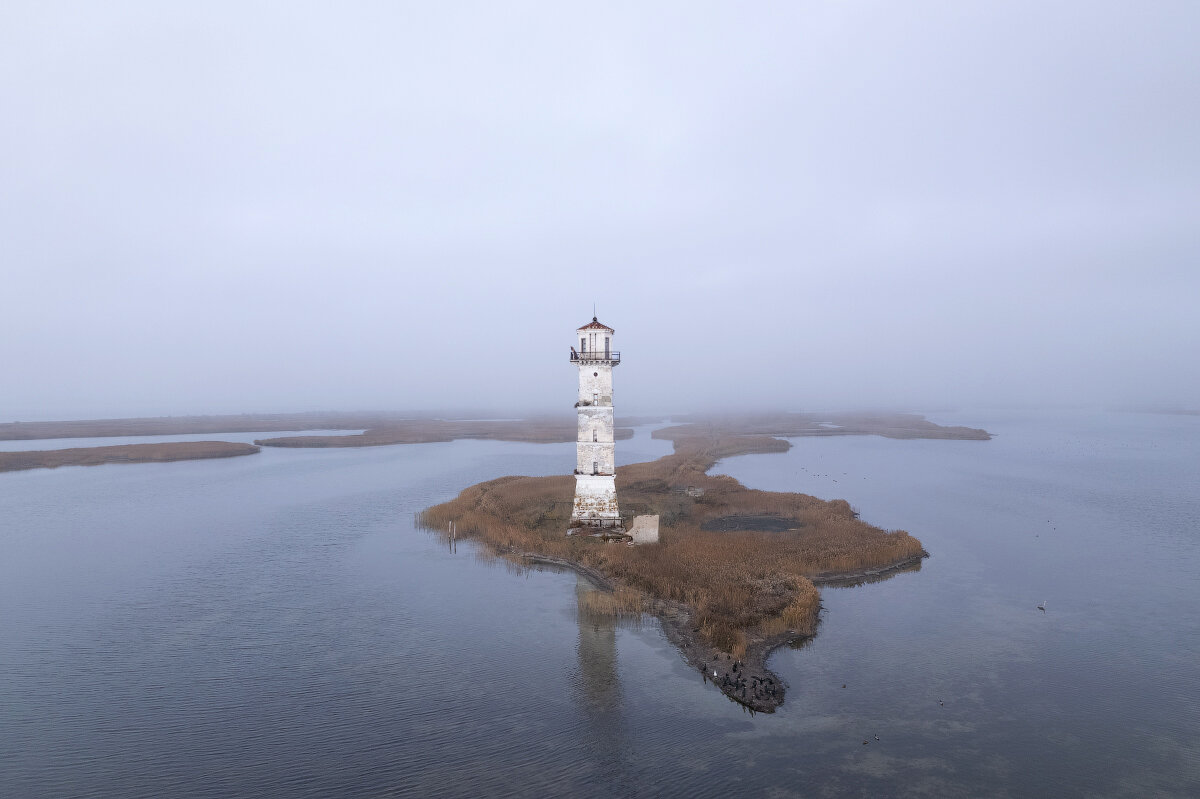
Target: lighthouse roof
[595,325]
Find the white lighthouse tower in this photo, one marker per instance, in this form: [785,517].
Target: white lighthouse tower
[595,461]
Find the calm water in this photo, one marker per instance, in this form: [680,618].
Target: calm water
[274,625]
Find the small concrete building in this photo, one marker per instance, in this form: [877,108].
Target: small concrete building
[593,354]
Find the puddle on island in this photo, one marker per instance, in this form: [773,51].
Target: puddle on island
[276,625]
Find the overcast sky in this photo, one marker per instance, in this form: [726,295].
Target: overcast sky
[213,207]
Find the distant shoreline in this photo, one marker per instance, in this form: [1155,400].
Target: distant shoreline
[122,453]
[386,429]
[381,428]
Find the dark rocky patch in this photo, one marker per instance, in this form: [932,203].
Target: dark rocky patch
[760,523]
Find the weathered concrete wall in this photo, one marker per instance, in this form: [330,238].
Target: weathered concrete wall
[595,383]
[595,498]
[644,529]
[595,424]
[602,456]
[596,451]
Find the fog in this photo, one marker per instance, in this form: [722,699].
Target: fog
[285,207]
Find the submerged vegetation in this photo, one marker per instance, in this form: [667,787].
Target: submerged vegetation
[747,585]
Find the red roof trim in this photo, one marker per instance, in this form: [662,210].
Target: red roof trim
[594,325]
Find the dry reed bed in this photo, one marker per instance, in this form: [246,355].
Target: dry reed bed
[740,587]
[889,425]
[547,430]
[122,453]
[381,428]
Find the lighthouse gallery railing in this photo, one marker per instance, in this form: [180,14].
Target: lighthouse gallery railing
[598,355]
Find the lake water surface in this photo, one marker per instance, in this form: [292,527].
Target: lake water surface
[274,625]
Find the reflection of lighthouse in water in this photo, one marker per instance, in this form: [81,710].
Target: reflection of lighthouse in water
[597,652]
[599,697]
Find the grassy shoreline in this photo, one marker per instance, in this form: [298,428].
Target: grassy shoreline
[547,430]
[736,571]
[406,427]
[122,453]
[378,430]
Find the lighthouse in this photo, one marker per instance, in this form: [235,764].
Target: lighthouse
[595,453]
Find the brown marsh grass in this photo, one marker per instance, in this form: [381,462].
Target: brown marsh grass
[378,428]
[740,585]
[122,453]
[543,430]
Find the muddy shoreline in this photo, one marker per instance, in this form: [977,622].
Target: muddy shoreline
[849,580]
[748,681]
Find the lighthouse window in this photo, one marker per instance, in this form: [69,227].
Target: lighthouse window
[594,438]
[595,374]
[582,344]
[595,467]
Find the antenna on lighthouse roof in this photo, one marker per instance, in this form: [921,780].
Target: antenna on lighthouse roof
[593,310]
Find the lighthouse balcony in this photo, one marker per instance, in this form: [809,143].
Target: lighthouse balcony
[598,356]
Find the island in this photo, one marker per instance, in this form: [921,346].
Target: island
[122,453]
[736,571]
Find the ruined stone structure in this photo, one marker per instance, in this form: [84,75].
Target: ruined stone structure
[595,461]
[644,529]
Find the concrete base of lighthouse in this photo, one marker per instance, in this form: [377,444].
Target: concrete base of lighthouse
[595,501]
